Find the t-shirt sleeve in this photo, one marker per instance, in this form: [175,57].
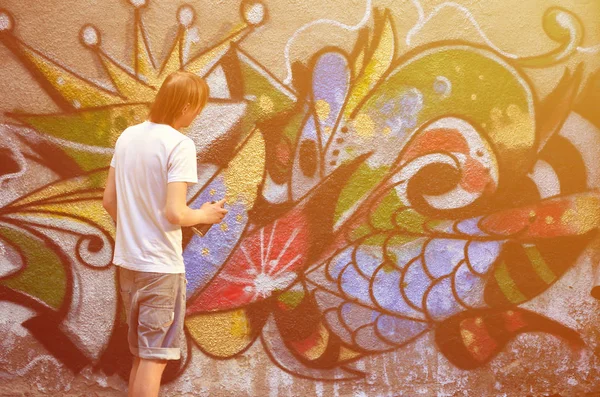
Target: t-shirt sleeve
[182,163]
[113,160]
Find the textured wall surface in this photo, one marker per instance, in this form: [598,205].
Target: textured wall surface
[412,185]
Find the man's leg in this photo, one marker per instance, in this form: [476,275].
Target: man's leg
[147,378]
[136,363]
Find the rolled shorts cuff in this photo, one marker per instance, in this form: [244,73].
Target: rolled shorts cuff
[156,353]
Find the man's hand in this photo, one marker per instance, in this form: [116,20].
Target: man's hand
[214,212]
[178,213]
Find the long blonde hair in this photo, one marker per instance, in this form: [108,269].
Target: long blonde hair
[179,89]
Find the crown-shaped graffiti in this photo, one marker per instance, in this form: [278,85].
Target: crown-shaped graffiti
[93,113]
[135,82]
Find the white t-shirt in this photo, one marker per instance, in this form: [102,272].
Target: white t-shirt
[147,157]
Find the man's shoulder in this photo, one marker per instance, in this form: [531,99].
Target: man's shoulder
[133,129]
[137,127]
[176,138]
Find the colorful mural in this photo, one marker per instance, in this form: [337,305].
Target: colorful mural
[399,195]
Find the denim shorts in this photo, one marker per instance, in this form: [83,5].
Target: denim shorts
[155,309]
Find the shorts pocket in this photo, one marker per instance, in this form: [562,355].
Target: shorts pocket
[156,317]
[157,308]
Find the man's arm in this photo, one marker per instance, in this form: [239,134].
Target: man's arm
[178,212]
[109,200]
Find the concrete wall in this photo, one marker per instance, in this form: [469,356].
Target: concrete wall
[411,187]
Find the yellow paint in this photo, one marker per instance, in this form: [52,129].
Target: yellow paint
[239,324]
[388,268]
[539,265]
[496,114]
[224,227]
[128,85]
[319,348]
[266,103]
[200,63]
[76,90]
[381,59]
[513,131]
[585,215]
[220,334]
[173,62]
[322,109]
[145,66]
[86,193]
[98,127]
[359,61]
[549,220]
[205,251]
[507,285]
[245,171]
[467,337]
[347,354]
[364,126]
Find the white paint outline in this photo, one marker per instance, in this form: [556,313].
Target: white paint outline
[589,50]
[19,157]
[423,20]
[350,28]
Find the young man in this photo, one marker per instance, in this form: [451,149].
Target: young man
[146,196]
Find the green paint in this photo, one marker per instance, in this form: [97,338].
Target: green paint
[411,221]
[93,127]
[97,179]
[362,182]
[360,232]
[258,85]
[382,217]
[88,161]
[388,268]
[507,285]
[376,240]
[539,265]
[293,127]
[291,299]
[44,275]
[482,90]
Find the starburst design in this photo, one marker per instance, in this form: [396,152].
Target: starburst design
[273,272]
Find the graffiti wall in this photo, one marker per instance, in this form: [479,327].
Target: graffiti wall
[412,186]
